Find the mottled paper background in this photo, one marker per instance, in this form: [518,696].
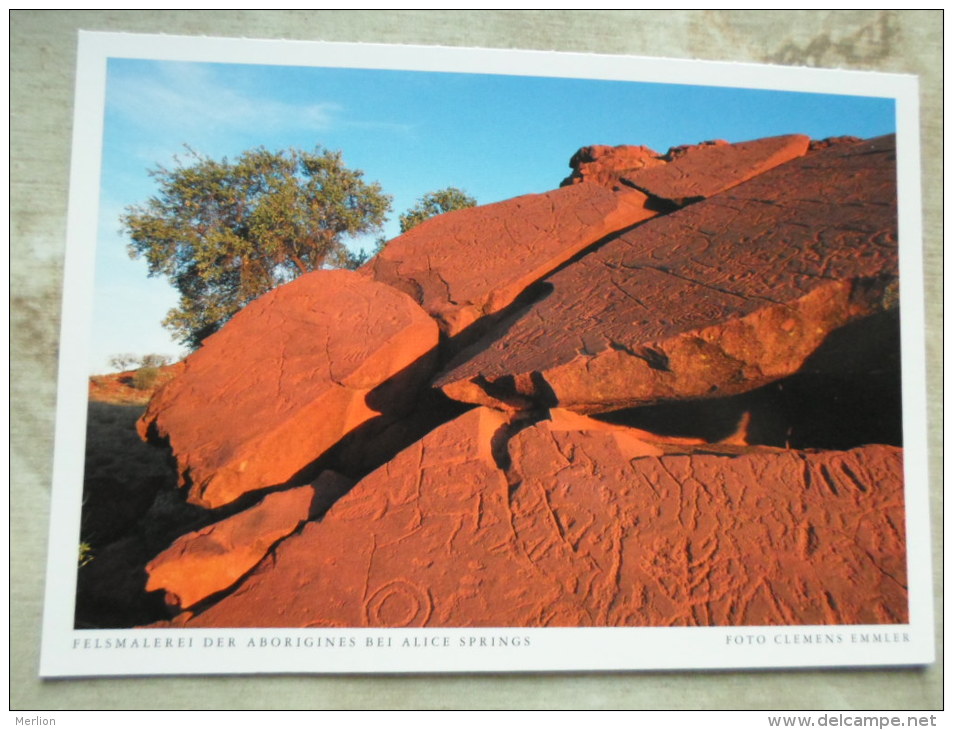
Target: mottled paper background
[42,54]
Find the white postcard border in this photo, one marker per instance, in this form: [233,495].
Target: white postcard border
[72,653]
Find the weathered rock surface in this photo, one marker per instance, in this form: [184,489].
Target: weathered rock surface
[328,488]
[202,563]
[451,474]
[563,526]
[718,298]
[694,416]
[469,263]
[377,441]
[605,165]
[765,537]
[635,442]
[687,173]
[704,170]
[823,144]
[286,378]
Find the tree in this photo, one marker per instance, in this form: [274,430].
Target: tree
[224,233]
[128,361]
[360,258]
[435,203]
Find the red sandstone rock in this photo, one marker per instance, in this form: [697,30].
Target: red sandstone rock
[634,442]
[766,537]
[572,529]
[469,263]
[328,488]
[823,144]
[701,171]
[605,165]
[687,173]
[719,298]
[286,378]
[630,442]
[683,149]
[376,442]
[202,563]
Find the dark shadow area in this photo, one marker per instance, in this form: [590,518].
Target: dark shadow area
[804,411]
[125,526]
[662,205]
[409,409]
[869,346]
[456,350]
[328,489]
[845,395]
[111,589]
[111,583]
[466,343]
[376,442]
[122,475]
[134,508]
[499,443]
[504,390]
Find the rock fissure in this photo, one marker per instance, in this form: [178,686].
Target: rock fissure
[409,445]
[701,283]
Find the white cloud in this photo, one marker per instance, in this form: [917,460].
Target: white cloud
[189,99]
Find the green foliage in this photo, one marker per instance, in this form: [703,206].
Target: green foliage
[431,204]
[147,368]
[362,257]
[224,233]
[144,378]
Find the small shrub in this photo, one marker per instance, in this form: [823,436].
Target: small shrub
[127,361]
[147,369]
[145,378]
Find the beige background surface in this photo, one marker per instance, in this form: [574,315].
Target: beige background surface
[43,50]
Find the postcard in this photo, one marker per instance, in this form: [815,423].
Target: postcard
[387,359]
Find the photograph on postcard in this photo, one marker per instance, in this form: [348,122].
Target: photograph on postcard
[383,347]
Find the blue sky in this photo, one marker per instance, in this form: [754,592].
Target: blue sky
[413,132]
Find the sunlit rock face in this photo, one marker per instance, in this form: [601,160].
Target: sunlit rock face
[286,379]
[664,394]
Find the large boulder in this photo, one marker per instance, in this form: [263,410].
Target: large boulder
[121,475]
[717,298]
[764,536]
[490,523]
[605,165]
[464,265]
[700,171]
[331,575]
[686,376]
[475,262]
[286,378]
[202,563]
[684,174]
